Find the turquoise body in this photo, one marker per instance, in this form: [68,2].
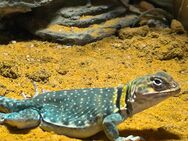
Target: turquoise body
[64,112]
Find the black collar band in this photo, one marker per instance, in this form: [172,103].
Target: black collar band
[129,108]
[119,93]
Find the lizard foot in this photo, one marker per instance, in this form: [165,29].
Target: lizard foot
[2,119]
[130,138]
[36,92]
[25,96]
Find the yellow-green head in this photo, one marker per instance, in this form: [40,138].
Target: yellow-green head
[146,91]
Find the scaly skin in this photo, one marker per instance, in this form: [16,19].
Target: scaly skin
[82,113]
[19,6]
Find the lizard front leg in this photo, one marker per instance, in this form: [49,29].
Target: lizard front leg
[109,127]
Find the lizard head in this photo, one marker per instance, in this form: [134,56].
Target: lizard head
[149,90]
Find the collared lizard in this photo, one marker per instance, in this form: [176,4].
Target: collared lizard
[82,113]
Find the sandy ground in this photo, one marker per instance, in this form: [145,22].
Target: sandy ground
[108,62]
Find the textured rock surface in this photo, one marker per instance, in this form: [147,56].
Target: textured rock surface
[14,6]
[128,33]
[155,43]
[177,27]
[69,21]
[77,24]
[84,35]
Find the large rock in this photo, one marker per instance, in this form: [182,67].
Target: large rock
[17,6]
[67,21]
[77,23]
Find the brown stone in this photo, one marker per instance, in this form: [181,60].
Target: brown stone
[177,27]
[128,33]
[146,5]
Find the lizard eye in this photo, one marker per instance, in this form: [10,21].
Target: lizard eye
[157,82]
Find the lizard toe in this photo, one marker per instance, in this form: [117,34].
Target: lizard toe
[130,138]
[135,138]
[2,118]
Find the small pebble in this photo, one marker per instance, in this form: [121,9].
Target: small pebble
[177,27]
[13,42]
[32,45]
[146,5]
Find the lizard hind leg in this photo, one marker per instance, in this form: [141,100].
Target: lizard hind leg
[26,118]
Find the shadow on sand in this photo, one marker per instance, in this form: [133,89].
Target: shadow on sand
[148,134]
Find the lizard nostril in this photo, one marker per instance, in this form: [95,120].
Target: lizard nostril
[174,85]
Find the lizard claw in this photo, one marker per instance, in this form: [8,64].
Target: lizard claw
[36,92]
[25,96]
[2,119]
[130,138]
[134,138]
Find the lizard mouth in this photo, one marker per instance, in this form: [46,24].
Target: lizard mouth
[165,93]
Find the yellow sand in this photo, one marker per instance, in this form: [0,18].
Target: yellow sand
[101,64]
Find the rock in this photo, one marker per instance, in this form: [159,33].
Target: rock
[128,33]
[39,76]
[84,26]
[83,36]
[170,51]
[21,6]
[69,22]
[75,12]
[145,5]
[85,21]
[9,69]
[62,70]
[177,27]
